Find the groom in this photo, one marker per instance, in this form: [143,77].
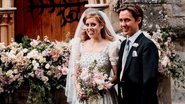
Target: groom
[138,60]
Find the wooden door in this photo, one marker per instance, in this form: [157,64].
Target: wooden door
[52,18]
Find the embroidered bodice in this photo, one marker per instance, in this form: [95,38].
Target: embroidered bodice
[105,58]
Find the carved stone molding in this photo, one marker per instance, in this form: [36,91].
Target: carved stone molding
[6,24]
[97,3]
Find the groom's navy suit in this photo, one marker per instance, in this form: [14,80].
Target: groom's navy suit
[139,82]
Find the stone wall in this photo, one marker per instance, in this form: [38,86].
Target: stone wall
[157,13]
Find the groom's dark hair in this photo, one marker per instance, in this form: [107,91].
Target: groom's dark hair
[135,10]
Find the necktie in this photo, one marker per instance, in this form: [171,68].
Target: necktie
[124,59]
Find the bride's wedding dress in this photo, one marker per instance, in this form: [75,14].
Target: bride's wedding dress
[105,58]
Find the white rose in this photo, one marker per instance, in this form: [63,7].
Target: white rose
[42,60]
[16,77]
[47,66]
[165,61]
[15,71]
[49,73]
[25,50]
[9,73]
[34,43]
[44,78]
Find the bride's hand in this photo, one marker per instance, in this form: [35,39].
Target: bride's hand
[82,94]
[108,85]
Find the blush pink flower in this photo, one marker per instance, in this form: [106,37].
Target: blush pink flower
[64,70]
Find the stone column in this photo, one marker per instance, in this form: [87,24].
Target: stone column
[6,24]
[101,1]
[92,1]
[6,3]
[4,27]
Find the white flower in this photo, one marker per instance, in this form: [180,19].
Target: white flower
[42,59]
[84,75]
[4,58]
[25,50]
[9,73]
[100,87]
[147,34]
[110,78]
[99,78]
[47,66]
[11,54]
[135,45]
[15,71]
[16,77]
[165,61]
[33,54]
[49,73]
[121,38]
[45,79]
[59,45]
[34,43]
[2,46]
[35,64]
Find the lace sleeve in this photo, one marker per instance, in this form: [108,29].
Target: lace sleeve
[113,52]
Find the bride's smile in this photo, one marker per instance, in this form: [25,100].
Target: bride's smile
[93,28]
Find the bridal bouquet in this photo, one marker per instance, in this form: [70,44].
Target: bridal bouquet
[93,79]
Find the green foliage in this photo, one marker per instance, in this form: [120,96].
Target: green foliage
[38,94]
[177,71]
[26,42]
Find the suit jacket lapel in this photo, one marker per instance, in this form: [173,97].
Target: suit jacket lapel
[121,56]
[129,58]
[122,48]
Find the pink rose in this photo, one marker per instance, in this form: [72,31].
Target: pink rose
[64,70]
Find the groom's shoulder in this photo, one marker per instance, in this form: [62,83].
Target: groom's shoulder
[147,41]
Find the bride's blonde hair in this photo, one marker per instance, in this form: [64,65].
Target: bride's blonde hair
[105,33]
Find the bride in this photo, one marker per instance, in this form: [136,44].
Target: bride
[94,39]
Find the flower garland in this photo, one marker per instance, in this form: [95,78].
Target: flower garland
[43,63]
[170,64]
[12,66]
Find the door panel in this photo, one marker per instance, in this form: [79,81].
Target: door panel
[52,18]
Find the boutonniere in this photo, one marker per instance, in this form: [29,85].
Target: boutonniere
[135,45]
